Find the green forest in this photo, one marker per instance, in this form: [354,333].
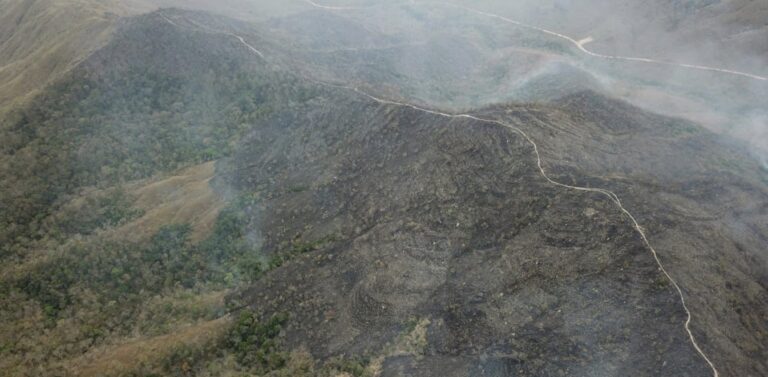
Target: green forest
[69,285]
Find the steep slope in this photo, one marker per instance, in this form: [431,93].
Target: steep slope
[134,108]
[450,222]
[110,230]
[40,40]
[704,210]
[356,235]
[468,58]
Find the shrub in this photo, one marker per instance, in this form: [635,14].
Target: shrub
[254,343]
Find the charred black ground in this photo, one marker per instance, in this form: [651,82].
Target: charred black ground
[359,237]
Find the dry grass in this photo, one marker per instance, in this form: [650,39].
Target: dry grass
[182,198]
[412,343]
[121,359]
[178,309]
[40,40]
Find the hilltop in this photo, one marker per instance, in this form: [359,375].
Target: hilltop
[204,195]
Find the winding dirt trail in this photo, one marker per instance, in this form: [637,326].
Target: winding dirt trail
[539,162]
[610,194]
[206,27]
[578,43]
[316,5]
[253,49]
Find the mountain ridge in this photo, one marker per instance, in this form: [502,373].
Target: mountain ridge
[388,218]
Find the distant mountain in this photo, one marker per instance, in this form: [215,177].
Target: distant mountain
[729,33]
[204,196]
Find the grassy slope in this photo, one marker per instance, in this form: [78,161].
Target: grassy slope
[151,197]
[42,39]
[39,40]
[121,240]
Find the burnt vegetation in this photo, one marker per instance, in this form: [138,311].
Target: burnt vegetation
[359,238]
